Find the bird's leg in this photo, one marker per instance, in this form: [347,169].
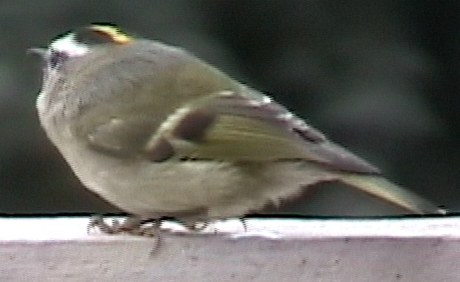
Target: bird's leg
[243,223]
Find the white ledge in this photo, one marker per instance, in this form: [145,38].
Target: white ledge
[61,249]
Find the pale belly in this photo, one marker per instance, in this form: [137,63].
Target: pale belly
[211,189]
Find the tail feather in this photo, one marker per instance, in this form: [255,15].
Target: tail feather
[382,188]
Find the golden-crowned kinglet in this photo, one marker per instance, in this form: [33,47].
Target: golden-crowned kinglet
[158,132]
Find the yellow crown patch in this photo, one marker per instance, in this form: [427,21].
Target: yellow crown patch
[113,32]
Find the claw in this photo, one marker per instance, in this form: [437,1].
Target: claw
[131,225]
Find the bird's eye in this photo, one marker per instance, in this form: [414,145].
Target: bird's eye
[56,58]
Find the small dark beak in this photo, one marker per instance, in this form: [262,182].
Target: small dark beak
[38,51]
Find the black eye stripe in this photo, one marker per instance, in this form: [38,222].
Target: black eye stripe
[56,58]
[91,37]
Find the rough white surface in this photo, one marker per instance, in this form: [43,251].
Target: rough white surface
[60,249]
[63,228]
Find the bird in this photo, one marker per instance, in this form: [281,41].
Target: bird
[158,132]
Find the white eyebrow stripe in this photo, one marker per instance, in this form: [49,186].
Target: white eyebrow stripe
[69,45]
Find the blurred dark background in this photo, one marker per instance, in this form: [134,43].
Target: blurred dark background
[379,77]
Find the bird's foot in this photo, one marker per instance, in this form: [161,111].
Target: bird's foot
[195,226]
[132,225]
[199,226]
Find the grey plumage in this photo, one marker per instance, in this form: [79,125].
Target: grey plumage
[158,132]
